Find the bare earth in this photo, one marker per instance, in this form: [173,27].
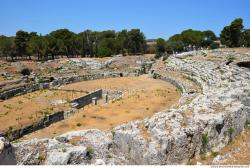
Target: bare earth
[23,110]
[143,97]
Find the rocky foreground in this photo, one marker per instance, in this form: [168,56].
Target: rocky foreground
[207,119]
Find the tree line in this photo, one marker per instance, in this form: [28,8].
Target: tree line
[64,42]
[231,36]
[234,35]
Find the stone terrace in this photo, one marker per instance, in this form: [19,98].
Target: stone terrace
[216,108]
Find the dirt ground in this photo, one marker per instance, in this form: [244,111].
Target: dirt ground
[23,110]
[143,97]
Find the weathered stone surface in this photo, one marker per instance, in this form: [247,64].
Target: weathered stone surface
[208,120]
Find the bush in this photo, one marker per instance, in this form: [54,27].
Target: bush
[25,71]
[214,45]
[104,52]
[90,152]
[78,124]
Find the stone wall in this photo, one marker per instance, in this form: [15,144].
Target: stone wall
[22,90]
[87,99]
[62,81]
[44,122]
[53,118]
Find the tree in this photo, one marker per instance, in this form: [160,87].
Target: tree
[193,37]
[225,36]
[67,41]
[245,38]
[136,41]
[208,38]
[122,42]
[230,35]
[21,41]
[38,46]
[160,47]
[175,43]
[236,28]
[6,47]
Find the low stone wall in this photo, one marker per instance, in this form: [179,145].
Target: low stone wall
[12,135]
[23,90]
[170,80]
[87,99]
[62,81]
[53,118]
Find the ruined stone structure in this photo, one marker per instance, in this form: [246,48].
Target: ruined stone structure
[206,119]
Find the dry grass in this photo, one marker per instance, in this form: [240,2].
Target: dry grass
[23,110]
[147,98]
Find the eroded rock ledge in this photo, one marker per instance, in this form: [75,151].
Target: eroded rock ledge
[207,121]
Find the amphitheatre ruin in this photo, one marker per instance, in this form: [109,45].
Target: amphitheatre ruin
[127,110]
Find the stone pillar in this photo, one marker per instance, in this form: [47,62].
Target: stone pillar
[94,101]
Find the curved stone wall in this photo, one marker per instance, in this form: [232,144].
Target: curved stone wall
[208,122]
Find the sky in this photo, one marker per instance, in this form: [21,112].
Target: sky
[156,18]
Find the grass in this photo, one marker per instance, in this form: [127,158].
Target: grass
[230,132]
[204,141]
[64,150]
[214,154]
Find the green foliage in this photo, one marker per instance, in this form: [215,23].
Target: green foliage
[78,124]
[231,35]
[245,38]
[89,152]
[113,133]
[41,158]
[136,42]
[198,38]
[214,45]
[105,52]
[63,42]
[214,154]
[25,71]
[230,132]
[6,47]
[204,141]
[160,47]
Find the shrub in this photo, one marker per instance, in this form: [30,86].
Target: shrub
[230,132]
[214,154]
[89,153]
[104,52]
[204,142]
[214,45]
[78,124]
[25,71]
[113,133]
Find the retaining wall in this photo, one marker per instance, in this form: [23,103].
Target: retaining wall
[87,99]
[62,81]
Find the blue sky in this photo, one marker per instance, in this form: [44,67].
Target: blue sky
[156,18]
